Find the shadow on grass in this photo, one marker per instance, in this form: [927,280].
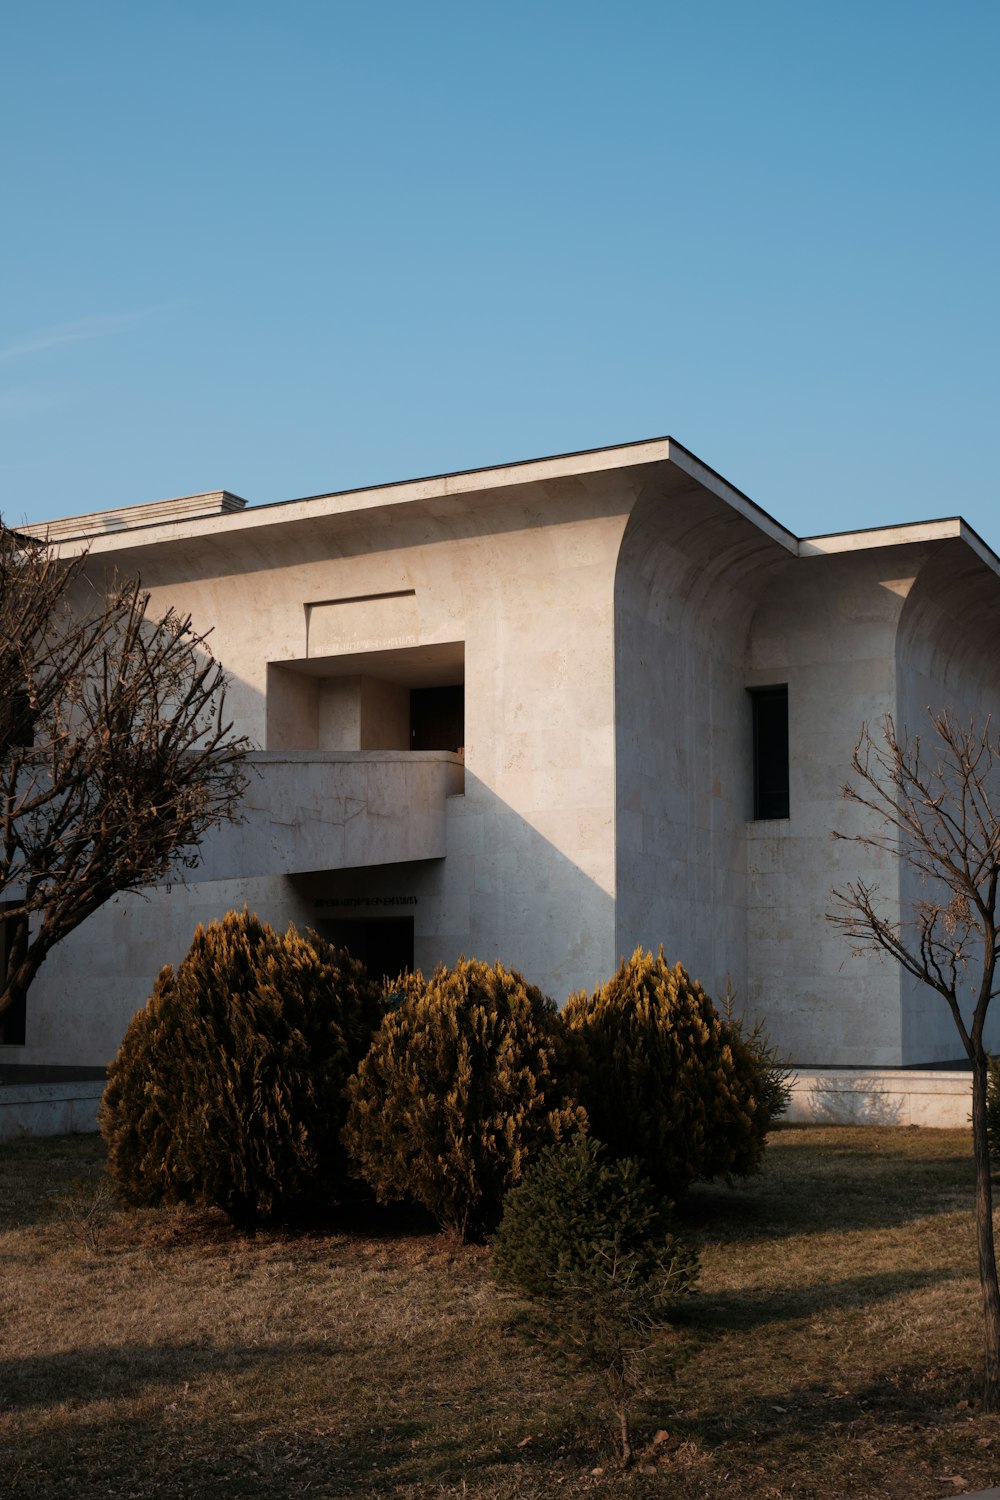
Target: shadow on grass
[38,1177]
[865,1193]
[36,1173]
[370,1448]
[809,1411]
[82,1376]
[160,1458]
[724,1312]
[171,1451]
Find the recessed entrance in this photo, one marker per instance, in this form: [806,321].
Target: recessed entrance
[411,698]
[383,944]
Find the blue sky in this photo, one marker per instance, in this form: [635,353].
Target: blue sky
[292,248]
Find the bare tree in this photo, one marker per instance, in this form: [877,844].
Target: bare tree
[938,809]
[115,755]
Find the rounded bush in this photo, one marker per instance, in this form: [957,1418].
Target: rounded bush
[462,1086]
[665,1079]
[577,1214]
[228,1086]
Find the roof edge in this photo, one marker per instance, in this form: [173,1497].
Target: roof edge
[945,528]
[113,530]
[198,515]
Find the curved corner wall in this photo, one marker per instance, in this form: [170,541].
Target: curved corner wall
[826,628]
[946,658]
[689,574]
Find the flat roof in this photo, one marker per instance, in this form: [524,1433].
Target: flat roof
[206,513]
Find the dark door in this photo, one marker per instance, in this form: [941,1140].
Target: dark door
[437,718]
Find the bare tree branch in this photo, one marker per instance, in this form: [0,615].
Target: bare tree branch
[115,753]
[941,817]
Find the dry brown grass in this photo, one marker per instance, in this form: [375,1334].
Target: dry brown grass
[832,1350]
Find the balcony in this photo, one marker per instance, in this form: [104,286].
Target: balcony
[335,809]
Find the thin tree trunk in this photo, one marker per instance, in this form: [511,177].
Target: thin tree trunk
[984,1237]
[626,1436]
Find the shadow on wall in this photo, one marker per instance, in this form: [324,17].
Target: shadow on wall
[506,890]
[838,1099]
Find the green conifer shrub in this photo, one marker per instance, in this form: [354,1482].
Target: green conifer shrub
[589,1241]
[228,1086]
[462,1086]
[576,1206]
[774,1076]
[664,1079]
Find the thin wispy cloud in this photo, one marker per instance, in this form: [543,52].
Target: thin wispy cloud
[83,328]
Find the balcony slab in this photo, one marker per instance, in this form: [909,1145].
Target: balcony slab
[331,809]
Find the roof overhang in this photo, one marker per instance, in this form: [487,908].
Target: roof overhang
[103,532]
[203,518]
[950,528]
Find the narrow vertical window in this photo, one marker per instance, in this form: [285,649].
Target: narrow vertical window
[13,1019]
[17,722]
[23,720]
[770,751]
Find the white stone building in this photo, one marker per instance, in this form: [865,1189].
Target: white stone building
[512,713]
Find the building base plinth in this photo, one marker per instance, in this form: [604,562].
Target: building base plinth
[880,1096]
[36,1109]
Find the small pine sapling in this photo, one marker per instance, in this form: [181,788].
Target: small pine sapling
[593,1248]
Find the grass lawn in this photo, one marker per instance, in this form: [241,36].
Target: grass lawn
[832,1350]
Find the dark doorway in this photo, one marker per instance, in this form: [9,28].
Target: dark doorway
[383,944]
[437,718]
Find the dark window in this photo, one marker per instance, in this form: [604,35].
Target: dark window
[437,718]
[770,752]
[17,722]
[12,1020]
